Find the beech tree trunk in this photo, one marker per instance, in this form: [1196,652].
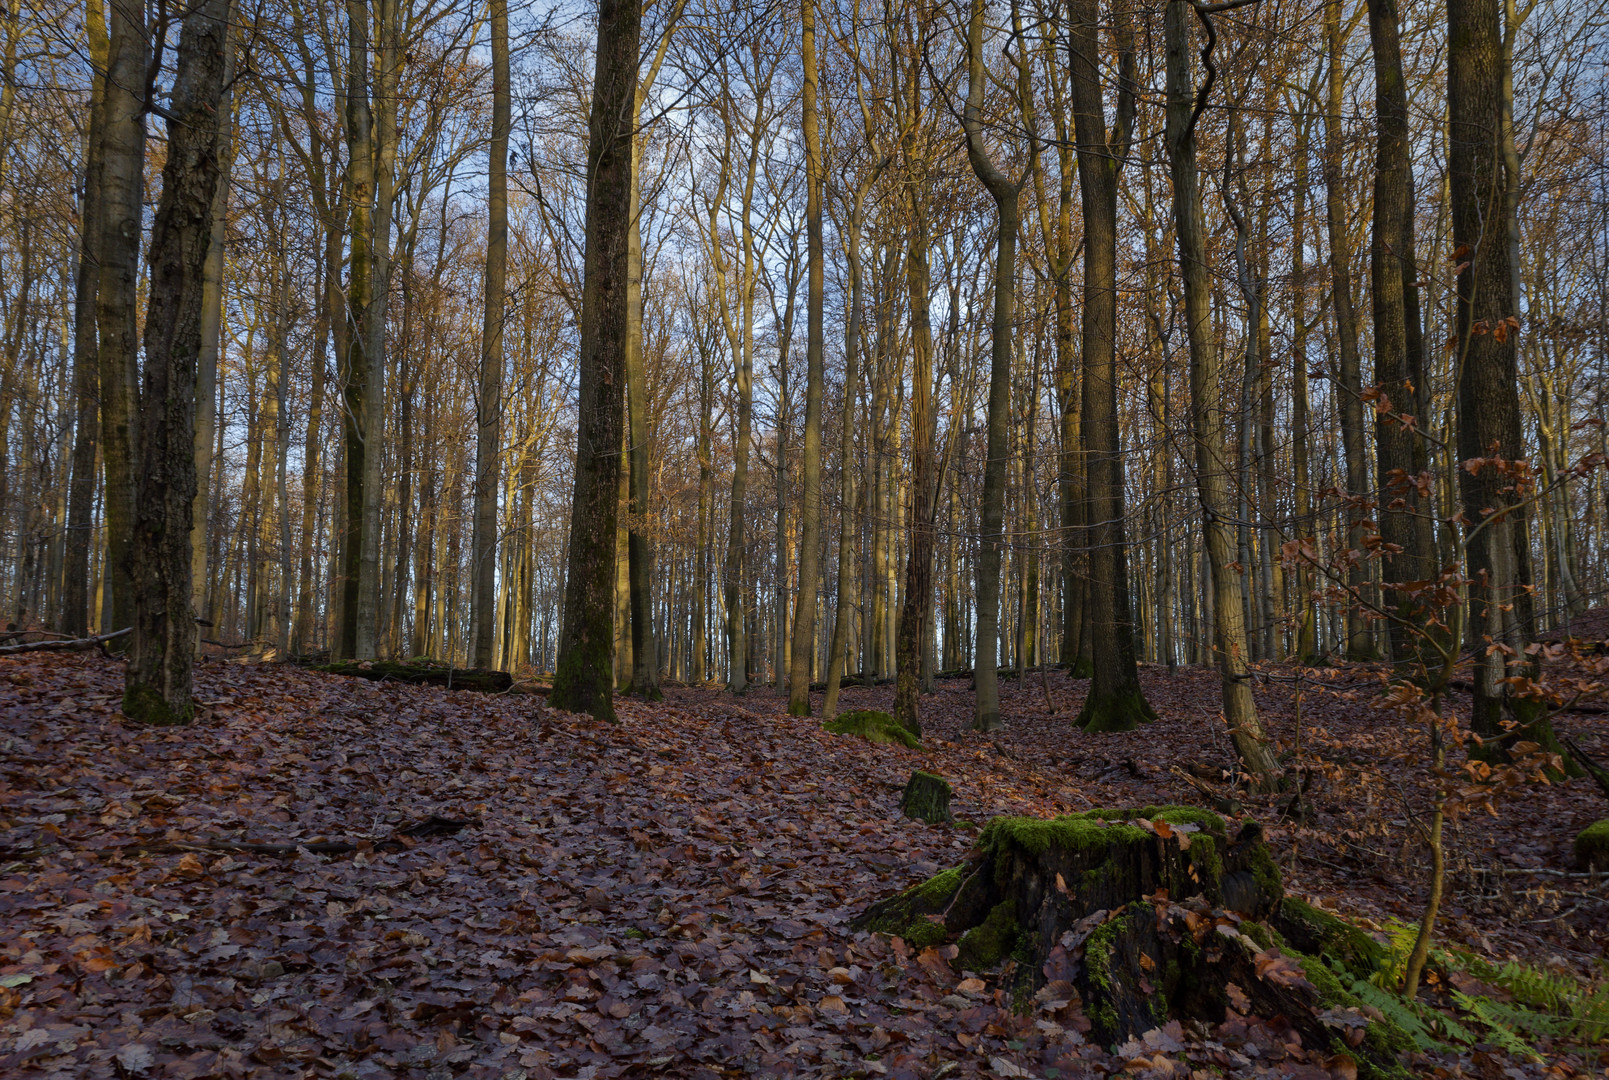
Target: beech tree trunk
[212,302]
[489,402]
[158,678]
[804,608]
[1359,640]
[76,578]
[584,678]
[1004,191]
[1115,701]
[1404,514]
[1490,439]
[359,363]
[1207,420]
[122,193]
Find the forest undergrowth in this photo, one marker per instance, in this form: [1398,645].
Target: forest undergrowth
[529,892]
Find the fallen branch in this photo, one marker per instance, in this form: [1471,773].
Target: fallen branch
[71,645]
[433,825]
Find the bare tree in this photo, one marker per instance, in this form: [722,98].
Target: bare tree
[583,680]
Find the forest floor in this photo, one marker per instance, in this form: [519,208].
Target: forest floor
[668,896]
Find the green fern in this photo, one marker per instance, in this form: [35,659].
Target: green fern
[1407,1015]
[1545,1005]
[1493,1016]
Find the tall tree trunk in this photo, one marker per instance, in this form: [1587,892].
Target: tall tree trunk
[1307,650]
[122,192]
[302,634]
[1208,423]
[1489,429]
[804,609]
[158,678]
[86,347]
[1391,274]
[584,678]
[639,549]
[706,486]
[838,651]
[212,303]
[1004,191]
[489,402]
[359,379]
[1359,641]
[1115,701]
[388,66]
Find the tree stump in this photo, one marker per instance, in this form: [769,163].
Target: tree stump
[1149,914]
[1592,847]
[926,798]
[873,726]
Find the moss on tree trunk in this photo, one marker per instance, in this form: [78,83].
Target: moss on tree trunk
[1149,913]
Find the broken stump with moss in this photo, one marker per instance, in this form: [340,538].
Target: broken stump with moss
[1150,914]
[1592,847]
[873,726]
[926,798]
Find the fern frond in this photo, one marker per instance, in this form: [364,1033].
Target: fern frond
[1405,1014]
[1492,1015]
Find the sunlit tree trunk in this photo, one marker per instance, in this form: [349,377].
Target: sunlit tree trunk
[584,678]
[804,611]
[489,402]
[358,377]
[122,192]
[985,671]
[158,678]
[1208,422]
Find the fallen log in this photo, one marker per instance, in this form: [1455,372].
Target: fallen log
[69,645]
[401,839]
[423,673]
[1147,915]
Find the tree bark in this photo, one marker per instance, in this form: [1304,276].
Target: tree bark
[584,678]
[804,608]
[359,361]
[1490,442]
[1115,701]
[86,347]
[1208,424]
[212,304]
[122,193]
[158,678]
[1392,272]
[1359,641]
[489,402]
[1004,191]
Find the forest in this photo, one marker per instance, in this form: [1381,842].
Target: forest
[920,538]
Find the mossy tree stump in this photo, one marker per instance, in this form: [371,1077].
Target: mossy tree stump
[1150,913]
[1592,847]
[873,726]
[926,798]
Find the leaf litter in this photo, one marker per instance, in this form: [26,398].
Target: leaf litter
[669,896]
